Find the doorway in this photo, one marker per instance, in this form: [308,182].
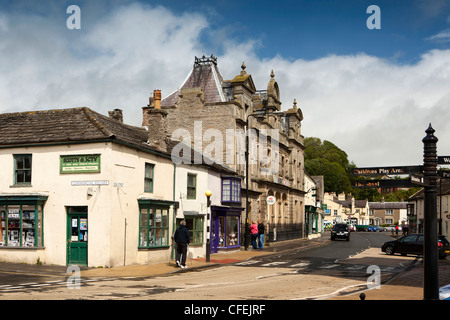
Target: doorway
[77,236]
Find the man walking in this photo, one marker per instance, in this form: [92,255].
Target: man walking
[182,239]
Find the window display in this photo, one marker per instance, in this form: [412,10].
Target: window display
[19,225]
[153,227]
[232,231]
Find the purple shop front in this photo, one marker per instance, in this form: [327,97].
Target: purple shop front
[225,227]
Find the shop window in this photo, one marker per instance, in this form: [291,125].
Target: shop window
[228,231]
[195,227]
[191,186]
[22,169]
[153,227]
[231,190]
[21,226]
[148,181]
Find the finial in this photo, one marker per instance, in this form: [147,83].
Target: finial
[272,75]
[295,103]
[243,66]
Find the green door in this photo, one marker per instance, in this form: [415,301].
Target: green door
[77,236]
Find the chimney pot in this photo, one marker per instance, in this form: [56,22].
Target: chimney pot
[157,99]
[116,114]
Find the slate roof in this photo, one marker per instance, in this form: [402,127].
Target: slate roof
[80,125]
[387,205]
[66,125]
[207,77]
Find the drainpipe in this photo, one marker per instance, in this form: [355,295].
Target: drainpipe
[174,210]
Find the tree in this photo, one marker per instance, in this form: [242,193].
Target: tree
[327,160]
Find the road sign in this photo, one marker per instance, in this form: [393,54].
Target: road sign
[396,183]
[379,171]
[417,181]
[444,160]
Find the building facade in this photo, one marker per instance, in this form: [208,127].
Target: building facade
[82,188]
[388,213]
[217,116]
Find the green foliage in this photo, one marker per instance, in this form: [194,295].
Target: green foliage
[326,159]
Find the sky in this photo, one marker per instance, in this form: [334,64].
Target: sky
[372,92]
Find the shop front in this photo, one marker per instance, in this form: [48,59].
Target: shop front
[225,228]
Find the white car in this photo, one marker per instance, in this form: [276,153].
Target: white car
[351,227]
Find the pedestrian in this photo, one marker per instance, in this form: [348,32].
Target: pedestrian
[260,235]
[396,230]
[182,239]
[254,232]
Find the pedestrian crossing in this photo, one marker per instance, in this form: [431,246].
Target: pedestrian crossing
[310,266]
[69,283]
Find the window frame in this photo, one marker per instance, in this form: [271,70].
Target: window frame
[196,228]
[37,228]
[161,241]
[190,187]
[149,181]
[234,195]
[25,170]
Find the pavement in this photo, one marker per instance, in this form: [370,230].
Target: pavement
[407,285]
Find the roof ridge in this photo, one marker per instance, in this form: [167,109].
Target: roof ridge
[91,117]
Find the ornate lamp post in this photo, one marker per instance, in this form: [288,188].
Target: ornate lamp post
[208,194]
[430,252]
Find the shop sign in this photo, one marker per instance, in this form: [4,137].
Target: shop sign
[91,183]
[271,200]
[84,163]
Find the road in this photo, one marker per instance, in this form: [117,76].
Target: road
[318,273]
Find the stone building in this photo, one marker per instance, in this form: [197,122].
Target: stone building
[214,116]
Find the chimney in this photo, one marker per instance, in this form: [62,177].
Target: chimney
[116,114]
[153,103]
[157,99]
[155,119]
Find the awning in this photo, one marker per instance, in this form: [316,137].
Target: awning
[23,198]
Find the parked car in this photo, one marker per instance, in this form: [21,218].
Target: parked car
[340,230]
[351,227]
[372,228]
[390,228]
[413,244]
[376,228]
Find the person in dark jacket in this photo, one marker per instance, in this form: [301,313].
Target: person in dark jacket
[182,239]
[260,235]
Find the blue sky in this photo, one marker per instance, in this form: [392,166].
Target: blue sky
[371,92]
[310,29]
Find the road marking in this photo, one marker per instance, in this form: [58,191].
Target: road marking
[247,263]
[355,268]
[276,263]
[41,285]
[301,264]
[329,266]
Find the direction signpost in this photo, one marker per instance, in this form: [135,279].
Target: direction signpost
[425,176]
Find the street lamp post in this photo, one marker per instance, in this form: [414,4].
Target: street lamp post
[208,194]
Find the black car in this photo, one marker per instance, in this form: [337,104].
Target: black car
[340,230]
[413,244]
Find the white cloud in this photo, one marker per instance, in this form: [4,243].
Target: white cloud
[375,110]
[441,37]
